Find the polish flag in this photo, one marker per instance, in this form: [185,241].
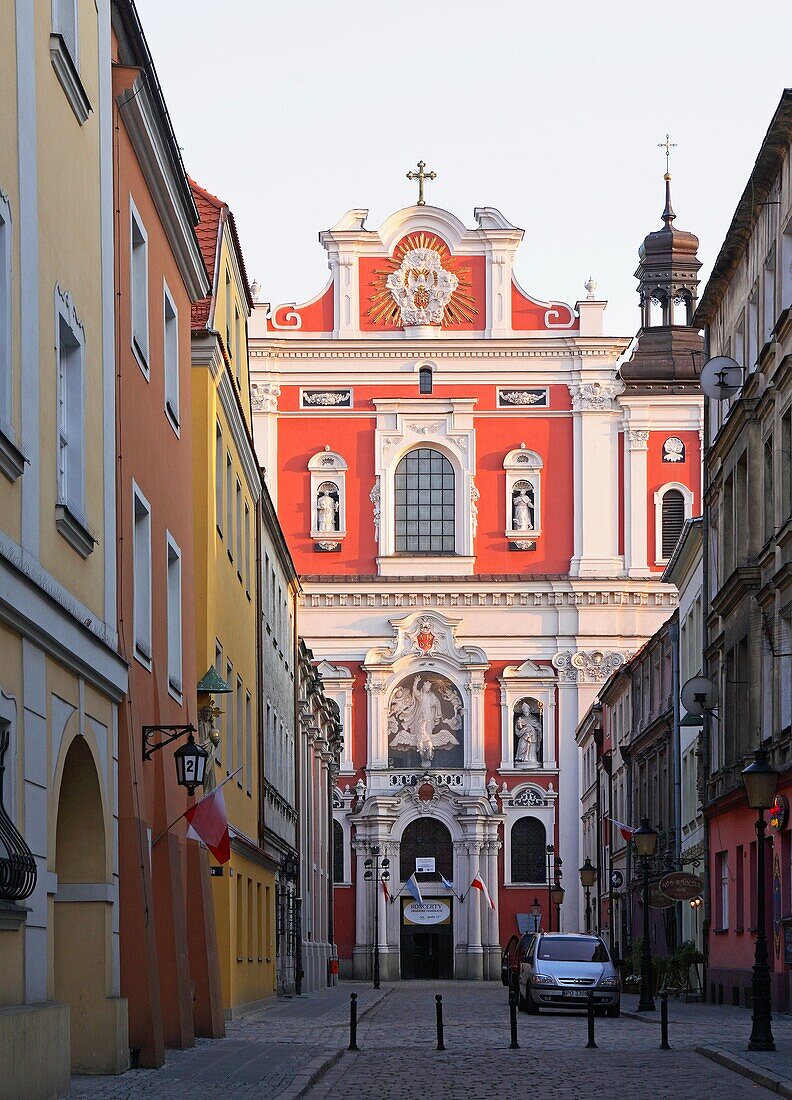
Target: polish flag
[478,883]
[625,830]
[207,821]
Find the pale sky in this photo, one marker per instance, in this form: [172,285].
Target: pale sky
[294,111]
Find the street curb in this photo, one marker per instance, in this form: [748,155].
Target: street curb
[314,1072]
[375,1004]
[642,1016]
[780,1085]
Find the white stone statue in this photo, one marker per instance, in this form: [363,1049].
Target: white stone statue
[326,511]
[528,732]
[523,508]
[415,719]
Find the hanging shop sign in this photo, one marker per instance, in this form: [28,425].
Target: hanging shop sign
[778,818]
[426,912]
[681,885]
[657,899]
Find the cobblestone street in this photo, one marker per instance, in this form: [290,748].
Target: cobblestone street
[298,1048]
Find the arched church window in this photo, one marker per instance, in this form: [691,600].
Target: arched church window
[425,723]
[426,837]
[673,520]
[338,852]
[327,507]
[425,380]
[528,842]
[528,728]
[425,503]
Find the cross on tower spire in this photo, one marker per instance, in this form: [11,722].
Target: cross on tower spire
[420,175]
[668,145]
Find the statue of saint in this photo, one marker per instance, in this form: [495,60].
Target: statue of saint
[416,720]
[209,739]
[528,733]
[523,508]
[326,511]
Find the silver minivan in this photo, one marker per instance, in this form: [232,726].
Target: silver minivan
[560,969]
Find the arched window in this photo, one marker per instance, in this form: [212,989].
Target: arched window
[425,380]
[673,520]
[426,836]
[424,494]
[528,841]
[338,852]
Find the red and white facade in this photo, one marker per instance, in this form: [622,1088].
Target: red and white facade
[443,644]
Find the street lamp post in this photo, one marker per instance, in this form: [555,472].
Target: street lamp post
[557,897]
[373,874]
[536,913]
[761,781]
[645,843]
[588,876]
[549,853]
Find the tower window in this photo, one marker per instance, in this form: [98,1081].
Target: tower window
[528,840]
[673,520]
[425,511]
[425,380]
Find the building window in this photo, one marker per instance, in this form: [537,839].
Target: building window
[229,349]
[65,24]
[425,380]
[338,852]
[174,593]
[673,505]
[71,414]
[219,479]
[739,875]
[722,890]
[425,511]
[139,290]
[426,836]
[768,299]
[528,850]
[229,709]
[752,324]
[247,548]
[229,485]
[5,312]
[240,731]
[248,740]
[171,357]
[238,348]
[141,575]
[239,530]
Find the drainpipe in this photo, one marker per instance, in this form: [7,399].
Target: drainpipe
[673,633]
[705,742]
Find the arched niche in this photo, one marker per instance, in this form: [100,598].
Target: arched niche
[425,722]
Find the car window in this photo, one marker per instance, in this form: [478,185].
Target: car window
[560,949]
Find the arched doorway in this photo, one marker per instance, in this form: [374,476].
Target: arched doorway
[427,940]
[83,917]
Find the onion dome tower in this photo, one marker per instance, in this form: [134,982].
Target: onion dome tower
[668,288]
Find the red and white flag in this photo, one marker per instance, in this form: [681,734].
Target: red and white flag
[385,890]
[625,830]
[207,821]
[478,883]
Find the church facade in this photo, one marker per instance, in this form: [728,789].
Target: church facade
[480,509]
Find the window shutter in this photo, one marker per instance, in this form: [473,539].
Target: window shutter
[673,520]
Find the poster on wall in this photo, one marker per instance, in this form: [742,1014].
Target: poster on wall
[426,912]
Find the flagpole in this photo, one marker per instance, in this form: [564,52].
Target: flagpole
[181,815]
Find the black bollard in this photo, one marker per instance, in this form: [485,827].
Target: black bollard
[353,1022]
[590,1044]
[513,1045]
[664,1020]
[439,1011]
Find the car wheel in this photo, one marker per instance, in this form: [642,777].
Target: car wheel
[614,1011]
[522,1003]
[599,1011]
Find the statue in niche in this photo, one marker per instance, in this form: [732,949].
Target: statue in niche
[523,506]
[527,732]
[327,507]
[424,717]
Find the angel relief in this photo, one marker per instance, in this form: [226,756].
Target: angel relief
[425,716]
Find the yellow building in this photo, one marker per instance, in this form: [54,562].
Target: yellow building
[61,679]
[227,569]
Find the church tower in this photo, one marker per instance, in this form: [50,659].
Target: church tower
[667,350]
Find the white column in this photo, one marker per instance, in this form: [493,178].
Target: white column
[596,480]
[360,954]
[476,720]
[636,443]
[264,396]
[475,949]
[492,937]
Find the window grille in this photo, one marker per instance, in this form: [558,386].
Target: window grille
[425,515]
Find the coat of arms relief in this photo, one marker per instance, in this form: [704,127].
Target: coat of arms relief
[423,286]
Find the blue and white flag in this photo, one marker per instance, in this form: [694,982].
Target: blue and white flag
[448,885]
[412,886]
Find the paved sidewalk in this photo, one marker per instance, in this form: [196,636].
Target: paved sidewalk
[275,1051]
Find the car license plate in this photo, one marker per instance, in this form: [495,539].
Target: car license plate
[575,993]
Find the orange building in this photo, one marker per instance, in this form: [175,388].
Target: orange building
[169,967]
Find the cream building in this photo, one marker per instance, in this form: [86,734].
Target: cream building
[60,677]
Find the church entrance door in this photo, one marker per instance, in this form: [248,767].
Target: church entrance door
[427,940]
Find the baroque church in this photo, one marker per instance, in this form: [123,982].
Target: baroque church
[480,491]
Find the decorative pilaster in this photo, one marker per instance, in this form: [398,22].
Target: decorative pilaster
[596,479]
[475,968]
[636,442]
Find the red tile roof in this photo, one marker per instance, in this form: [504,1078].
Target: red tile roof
[212,212]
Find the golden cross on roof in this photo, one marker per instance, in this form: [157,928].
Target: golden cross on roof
[420,175]
[668,145]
